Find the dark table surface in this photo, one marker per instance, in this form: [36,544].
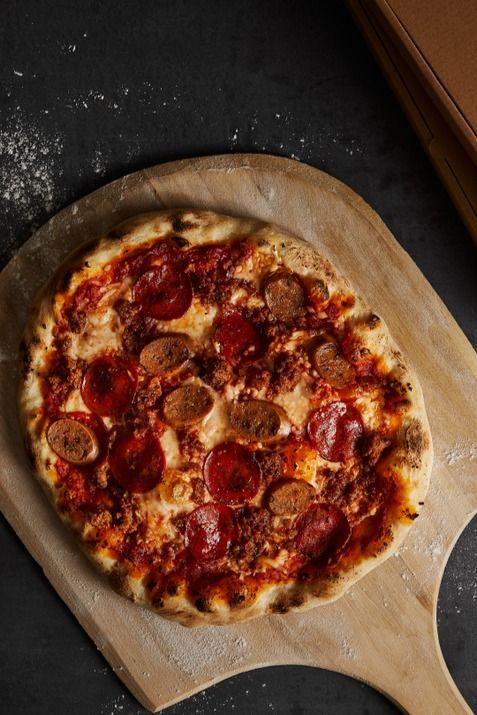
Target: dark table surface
[93,90]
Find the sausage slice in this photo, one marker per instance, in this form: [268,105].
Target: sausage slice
[290,496]
[165,354]
[284,295]
[331,364]
[73,441]
[186,405]
[258,420]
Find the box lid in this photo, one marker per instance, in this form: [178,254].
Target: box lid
[439,38]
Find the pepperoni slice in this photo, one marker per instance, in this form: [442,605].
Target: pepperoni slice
[231,473]
[237,338]
[323,530]
[108,386]
[137,461]
[334,430]
[163,292]
[210,530]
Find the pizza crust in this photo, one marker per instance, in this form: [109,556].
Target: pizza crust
[412,457]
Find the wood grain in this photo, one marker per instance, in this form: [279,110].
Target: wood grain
[383,631]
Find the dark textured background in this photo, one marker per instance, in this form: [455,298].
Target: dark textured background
[93,90]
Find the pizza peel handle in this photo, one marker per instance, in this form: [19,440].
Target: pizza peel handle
[383,630]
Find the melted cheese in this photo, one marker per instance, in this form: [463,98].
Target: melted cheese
[296,403]
[196,322]
[214,428]
[171,449]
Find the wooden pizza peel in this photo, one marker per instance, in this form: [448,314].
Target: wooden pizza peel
[383,630]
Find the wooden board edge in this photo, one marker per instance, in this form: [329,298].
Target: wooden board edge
[370,216]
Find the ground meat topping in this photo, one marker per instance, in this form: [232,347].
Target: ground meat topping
[272,465]
[257,376]
[254,525]
[190,445]
[287,372]
[216,372]
[374,445]
[148,397]
[64,376]
[357,493]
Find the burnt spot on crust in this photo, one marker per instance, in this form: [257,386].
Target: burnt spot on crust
[318,291]
[402,406]
[373,321]
[118,232]
[30,451]
[179,224]
[202,605]
[297,600]
[240,595]
[237,599]
[416,443]
[279,606]
[400,368]
[286,602]
[120,583]
[65,280]
[180,241]
[115,234]
[26,359]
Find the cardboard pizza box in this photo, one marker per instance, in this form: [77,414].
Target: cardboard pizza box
[428,52]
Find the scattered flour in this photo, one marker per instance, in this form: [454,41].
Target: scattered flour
[206,648]
[98,164]
[30,171]
[28,168]
[459,452]
[346,650]
[435,549]
[299,145]
[114,706]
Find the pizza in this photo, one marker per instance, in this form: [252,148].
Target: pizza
[222,421]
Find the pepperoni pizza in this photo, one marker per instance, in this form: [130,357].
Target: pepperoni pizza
[225,425]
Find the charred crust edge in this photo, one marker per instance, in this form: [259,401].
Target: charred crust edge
[417,442]
[286,602]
